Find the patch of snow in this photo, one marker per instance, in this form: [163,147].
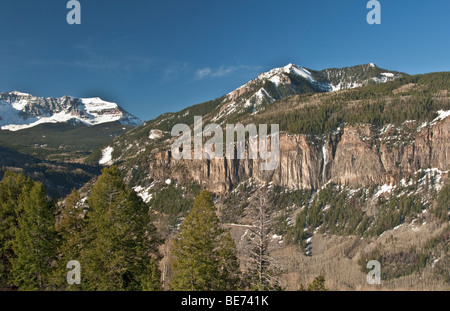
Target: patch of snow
[106,156]
[435,262]
[324,158]
[143,193]
[384,189]
[244,235]
[155,134]
[276,237]
[388,74]
[442,114]
[17,93]
[300,71]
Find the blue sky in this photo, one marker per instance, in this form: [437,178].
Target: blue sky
[153,57]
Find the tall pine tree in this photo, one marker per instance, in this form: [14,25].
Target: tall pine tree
[121,249]
[71,229]
[11,188]
[35,241]
[204,257]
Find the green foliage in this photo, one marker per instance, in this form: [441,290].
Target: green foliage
[174,202]
[71,229]
[12,187]
[337,211]
[285,201]
[317,285]
[58,178]
[298,234]
[62,141]
[35,241]
[332,208]
[166,121]
[204,257]
[122,242]
[372,104]
[229,272]
[281,199]
[442,208]
[396,210]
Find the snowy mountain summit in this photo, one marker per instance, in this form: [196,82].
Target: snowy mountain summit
[292,79]
[20,111]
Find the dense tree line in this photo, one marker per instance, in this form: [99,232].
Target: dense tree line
[377,105]
[337,211]
[28,238]
[112,237]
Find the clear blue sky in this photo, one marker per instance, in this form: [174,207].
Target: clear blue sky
[158,56]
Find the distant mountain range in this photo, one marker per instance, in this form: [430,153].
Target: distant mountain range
[65,129]
[20,111]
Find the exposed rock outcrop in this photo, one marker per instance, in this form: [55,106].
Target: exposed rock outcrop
[356,156]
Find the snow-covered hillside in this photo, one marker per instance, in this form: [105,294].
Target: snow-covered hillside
[20,111]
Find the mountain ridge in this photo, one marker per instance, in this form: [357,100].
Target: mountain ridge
[292,79]
[20,111]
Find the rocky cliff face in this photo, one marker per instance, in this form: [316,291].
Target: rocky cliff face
[355,155]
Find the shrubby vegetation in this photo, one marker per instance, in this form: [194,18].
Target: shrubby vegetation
[414,259]
[317,285]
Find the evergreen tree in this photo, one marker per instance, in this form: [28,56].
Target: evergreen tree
[71,230]
[204,255]
[35,242]
[11,188]
[317,285]
[229,272]
[122,247]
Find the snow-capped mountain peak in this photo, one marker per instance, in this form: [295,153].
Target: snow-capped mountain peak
[17,93]
[292,79]
[21,110]
[274,74]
